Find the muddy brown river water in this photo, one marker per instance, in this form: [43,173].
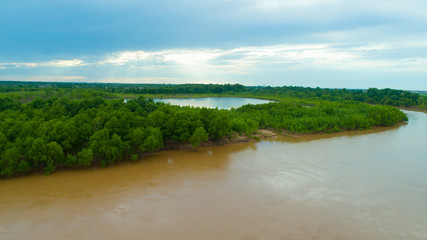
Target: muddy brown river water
[370,185]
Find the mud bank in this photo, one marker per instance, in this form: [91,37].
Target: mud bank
[261,134]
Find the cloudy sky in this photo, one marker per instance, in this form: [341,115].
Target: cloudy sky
[325,43]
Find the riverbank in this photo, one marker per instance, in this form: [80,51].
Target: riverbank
[416,109]
[262,134]
[270,134]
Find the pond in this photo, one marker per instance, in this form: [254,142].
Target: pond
[213,102]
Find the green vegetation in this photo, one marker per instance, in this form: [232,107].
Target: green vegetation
[320,116]
[200,135]
[43,128]
[27,91]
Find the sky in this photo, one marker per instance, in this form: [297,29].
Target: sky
[311,43]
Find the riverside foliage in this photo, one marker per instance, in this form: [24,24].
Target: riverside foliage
[47,133]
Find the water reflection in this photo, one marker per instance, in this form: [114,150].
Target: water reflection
[213,102]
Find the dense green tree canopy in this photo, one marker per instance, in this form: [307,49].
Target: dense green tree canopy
[50,127]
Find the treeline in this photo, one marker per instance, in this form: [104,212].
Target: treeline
[320,116]
[399,98]
[45,93]
[26,91]
[46,134]
[11,86]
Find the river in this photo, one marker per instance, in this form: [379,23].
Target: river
[355,185]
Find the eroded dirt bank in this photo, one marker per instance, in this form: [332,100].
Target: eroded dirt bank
[261,134]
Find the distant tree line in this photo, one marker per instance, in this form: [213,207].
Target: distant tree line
[26,91]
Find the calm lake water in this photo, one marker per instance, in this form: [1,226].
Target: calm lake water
[213,102]
[355,185]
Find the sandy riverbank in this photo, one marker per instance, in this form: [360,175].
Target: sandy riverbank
[260,135]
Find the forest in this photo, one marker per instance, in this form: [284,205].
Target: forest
[25,91]
[47,126]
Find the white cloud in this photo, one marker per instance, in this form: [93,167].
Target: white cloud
[44,78]
[298,54]
[18,65]
[125,57]
[53,63]
[242,60]
[142,80]
[189,57]
[178,56]
[278,4]
[228,65]
[64,63]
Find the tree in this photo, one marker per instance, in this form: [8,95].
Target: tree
[38,103]
[99,143]
[149,144]
[85,157]
[23,167]
[137,137]
[70,160]
[9,161]
[114,125]
[198,137]
[3,141]
[219,124]
[153,142]
[54,156]
[115,150]
[37,152]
